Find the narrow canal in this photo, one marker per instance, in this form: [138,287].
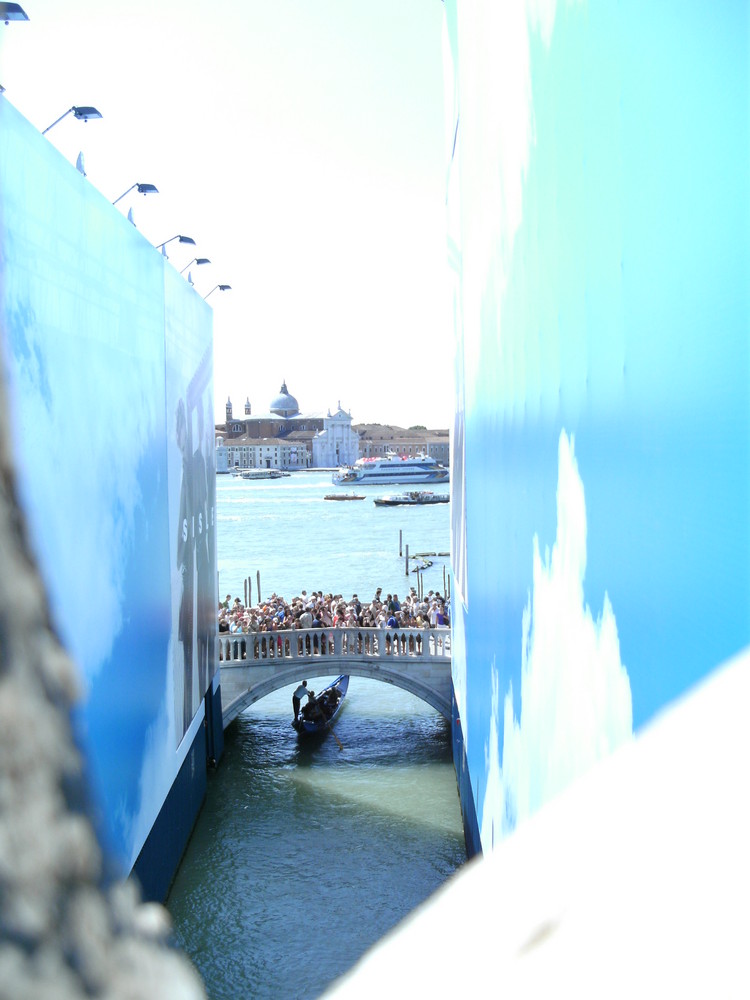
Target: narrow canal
[305,854]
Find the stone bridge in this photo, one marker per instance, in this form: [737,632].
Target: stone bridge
[254,664]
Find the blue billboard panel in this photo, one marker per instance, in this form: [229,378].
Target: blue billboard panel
[599,188]
[83,301]
[192,489]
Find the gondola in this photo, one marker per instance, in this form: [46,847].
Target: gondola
[318,714]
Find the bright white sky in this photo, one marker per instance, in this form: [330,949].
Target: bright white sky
[302,145]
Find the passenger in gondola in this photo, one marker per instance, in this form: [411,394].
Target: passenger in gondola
[318,712]
[307,711]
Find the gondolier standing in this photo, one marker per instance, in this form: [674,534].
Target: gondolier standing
[297,697]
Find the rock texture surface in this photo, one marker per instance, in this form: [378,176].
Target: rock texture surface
[67,928]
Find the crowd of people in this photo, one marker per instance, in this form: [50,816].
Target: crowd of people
[319,610]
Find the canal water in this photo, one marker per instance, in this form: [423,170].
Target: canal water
[306,854]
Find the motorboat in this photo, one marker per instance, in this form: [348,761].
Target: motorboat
[414,498]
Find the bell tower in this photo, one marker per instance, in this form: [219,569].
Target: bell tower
[229,412]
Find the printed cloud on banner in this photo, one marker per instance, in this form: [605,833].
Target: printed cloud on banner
[576,702]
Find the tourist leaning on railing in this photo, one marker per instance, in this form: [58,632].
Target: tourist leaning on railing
[332,611]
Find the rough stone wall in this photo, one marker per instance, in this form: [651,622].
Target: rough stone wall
[67,928]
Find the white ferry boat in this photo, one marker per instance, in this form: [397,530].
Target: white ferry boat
[263,474]
[392,469]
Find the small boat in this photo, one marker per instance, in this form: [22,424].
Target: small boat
[412,499]
[342,496]
[319,713]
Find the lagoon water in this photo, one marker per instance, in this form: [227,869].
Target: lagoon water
[306,854]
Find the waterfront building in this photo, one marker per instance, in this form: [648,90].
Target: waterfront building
[285,438]
[266,453]
[376,440]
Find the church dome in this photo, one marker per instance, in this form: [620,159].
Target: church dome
[284,405]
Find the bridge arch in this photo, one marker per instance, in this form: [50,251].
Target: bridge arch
[255,666]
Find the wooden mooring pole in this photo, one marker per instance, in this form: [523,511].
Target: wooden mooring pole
[247,585]
[258,590]
[407,561]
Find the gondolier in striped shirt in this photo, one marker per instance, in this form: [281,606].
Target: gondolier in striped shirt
[297,697]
